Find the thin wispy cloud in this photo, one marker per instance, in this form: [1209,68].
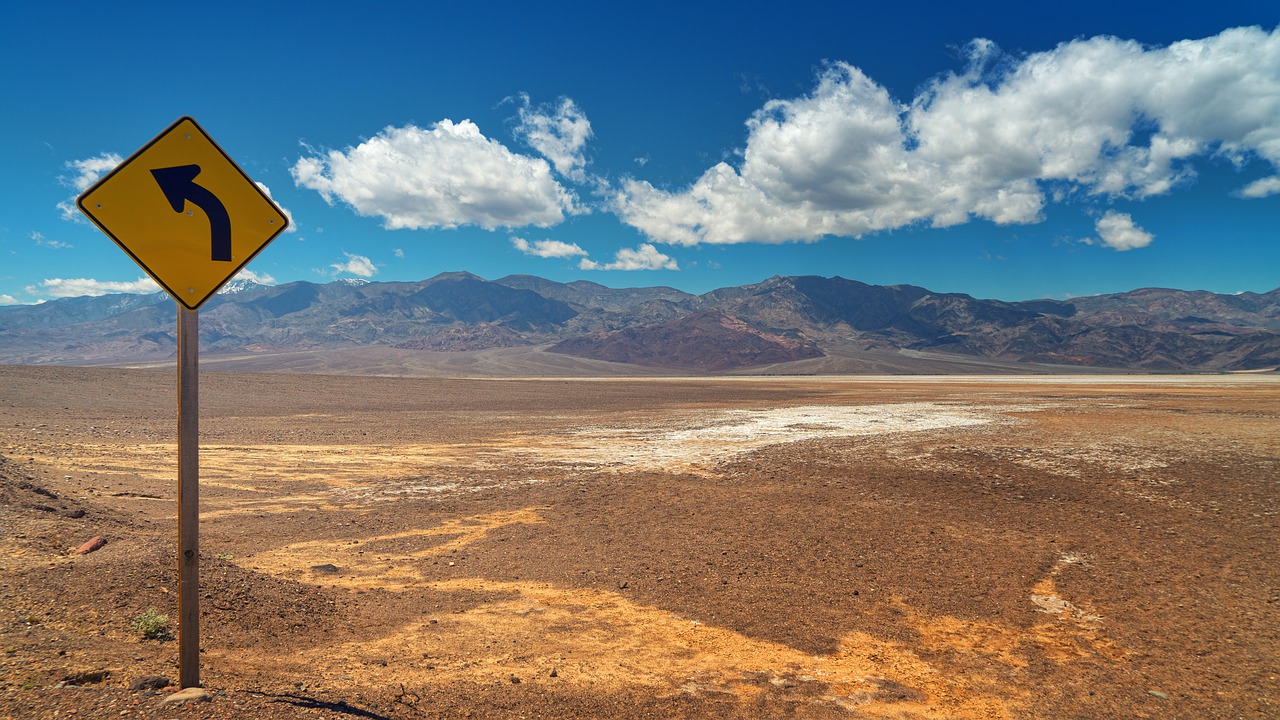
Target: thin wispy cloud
[84,173]
[43,241]
[80,287]
[547,248]
[559,132]
[293,226]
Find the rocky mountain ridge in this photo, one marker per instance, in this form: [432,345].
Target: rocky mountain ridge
[777,321]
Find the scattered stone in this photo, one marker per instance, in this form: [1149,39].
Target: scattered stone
[86,677]
[150,683]
[515,680]
[188,695]
[1157,693]
[554,673]
[91,545]
[326,568]
[624,585]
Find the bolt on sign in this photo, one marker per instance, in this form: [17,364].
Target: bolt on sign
[185,212]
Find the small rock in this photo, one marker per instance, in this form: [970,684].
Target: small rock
[86,677]
[90,545]
[149,683]
[554,673]
[325,568]
[188,695]
[515,680]
[624,585]
[1157,693]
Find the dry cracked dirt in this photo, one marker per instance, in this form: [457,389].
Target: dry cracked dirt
[918,548]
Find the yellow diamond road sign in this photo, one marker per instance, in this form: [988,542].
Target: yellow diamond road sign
[185,212]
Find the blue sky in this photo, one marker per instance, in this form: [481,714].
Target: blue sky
[1008,151]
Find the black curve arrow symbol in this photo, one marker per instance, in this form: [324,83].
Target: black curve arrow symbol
[179,185]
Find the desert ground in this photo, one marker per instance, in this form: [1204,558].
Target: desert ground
[807,547]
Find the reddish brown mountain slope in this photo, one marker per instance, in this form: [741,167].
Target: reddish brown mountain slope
[707,340]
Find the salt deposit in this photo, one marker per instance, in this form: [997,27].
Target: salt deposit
[702,440]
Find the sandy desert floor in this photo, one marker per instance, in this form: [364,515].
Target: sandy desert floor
[1058,547]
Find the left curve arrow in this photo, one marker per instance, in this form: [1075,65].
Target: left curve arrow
[179,185]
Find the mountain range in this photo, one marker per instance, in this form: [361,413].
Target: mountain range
[781,325]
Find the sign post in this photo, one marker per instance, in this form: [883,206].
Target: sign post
[188,498]
[192,219]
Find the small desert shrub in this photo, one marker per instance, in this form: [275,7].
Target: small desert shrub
[151,625]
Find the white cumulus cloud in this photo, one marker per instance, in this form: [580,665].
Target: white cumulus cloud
[442,177]
[559,132]
[357,265]
[1093,118]
[547,248]
[1116,230]
[84,173]
[80,287]
[644,257]
[8,300]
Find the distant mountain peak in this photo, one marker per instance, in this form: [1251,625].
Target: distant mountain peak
[238,285]
[456,276]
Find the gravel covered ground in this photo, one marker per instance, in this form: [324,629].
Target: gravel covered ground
[710,548]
